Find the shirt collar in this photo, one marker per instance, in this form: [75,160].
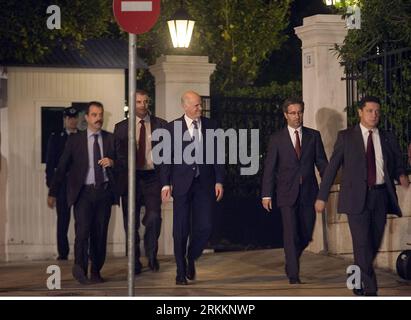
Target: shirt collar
[91,133]
[189,121]
[146,118]
[292,130]
[364,130]
[68,132]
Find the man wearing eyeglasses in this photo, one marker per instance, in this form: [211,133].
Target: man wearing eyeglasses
[289,176]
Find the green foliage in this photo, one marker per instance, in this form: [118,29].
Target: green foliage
[367,54]
[237,35]
[382,22]
[274,90]
[24,35]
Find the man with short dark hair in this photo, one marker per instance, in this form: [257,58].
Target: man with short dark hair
[148,189]
[289,170]
[55,147]
[370,159]
[87,161]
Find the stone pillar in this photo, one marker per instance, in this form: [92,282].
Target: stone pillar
[324,93]
[174,75]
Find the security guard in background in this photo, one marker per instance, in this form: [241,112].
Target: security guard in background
[55,147]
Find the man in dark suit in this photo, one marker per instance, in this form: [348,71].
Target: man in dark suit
[195,186]
[148,189]
[370,159]
[86,162]
[293,154]
[55,147]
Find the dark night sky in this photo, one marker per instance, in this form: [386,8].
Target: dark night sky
[285,64]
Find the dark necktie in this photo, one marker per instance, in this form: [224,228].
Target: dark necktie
[371,169]
[297,144]
[196,139]
[141,153]
[98,170]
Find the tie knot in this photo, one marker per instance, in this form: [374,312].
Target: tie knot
[296,131]
[95,136]
[195,124]
[370,132]
[142,122]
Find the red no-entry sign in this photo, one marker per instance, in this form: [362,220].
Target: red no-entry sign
[136,16]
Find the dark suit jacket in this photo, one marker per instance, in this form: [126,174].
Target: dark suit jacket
[74,164]
[55,148]
[349,153]
[283,170]
[121,136]
[181,176]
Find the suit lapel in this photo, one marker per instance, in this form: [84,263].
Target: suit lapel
[384,149]
[84,146]
[288,142]
[358,140]
[184,129]
[105,143]
[305,141]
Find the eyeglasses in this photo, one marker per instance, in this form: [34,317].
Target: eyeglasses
[300,113]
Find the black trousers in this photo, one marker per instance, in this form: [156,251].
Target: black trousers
[298,226]
[63,222]
[367,231]
[92,215]
[148,193]
[192,221]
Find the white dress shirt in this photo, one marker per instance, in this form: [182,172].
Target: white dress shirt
[379,160]
[190,126]
[293,137]
[149,165]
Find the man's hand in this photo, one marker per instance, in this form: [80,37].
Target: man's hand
[319,206]
[51,202]
[166,194]
[219,191]
[106,162]
[267,204]
[404,181]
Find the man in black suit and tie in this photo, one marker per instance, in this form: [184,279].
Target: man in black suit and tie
[370,159]
[293,153]
[86,164]
[55,147]
[195,187]
[148,189]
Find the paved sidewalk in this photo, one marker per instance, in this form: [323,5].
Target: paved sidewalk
[233,274]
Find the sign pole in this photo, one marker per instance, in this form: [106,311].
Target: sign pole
[132,43]
[134,17]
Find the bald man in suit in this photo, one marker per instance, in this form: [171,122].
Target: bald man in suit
[195,188]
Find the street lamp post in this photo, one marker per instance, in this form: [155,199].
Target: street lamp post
[353,13]
[181,27]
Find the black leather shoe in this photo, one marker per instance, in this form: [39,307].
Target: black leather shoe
[181,281]
[79,274]
[137,267]
[191,270]
[62,258]
[370,294]
[153,264]
[358,292]
[95,277]
[295,281]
